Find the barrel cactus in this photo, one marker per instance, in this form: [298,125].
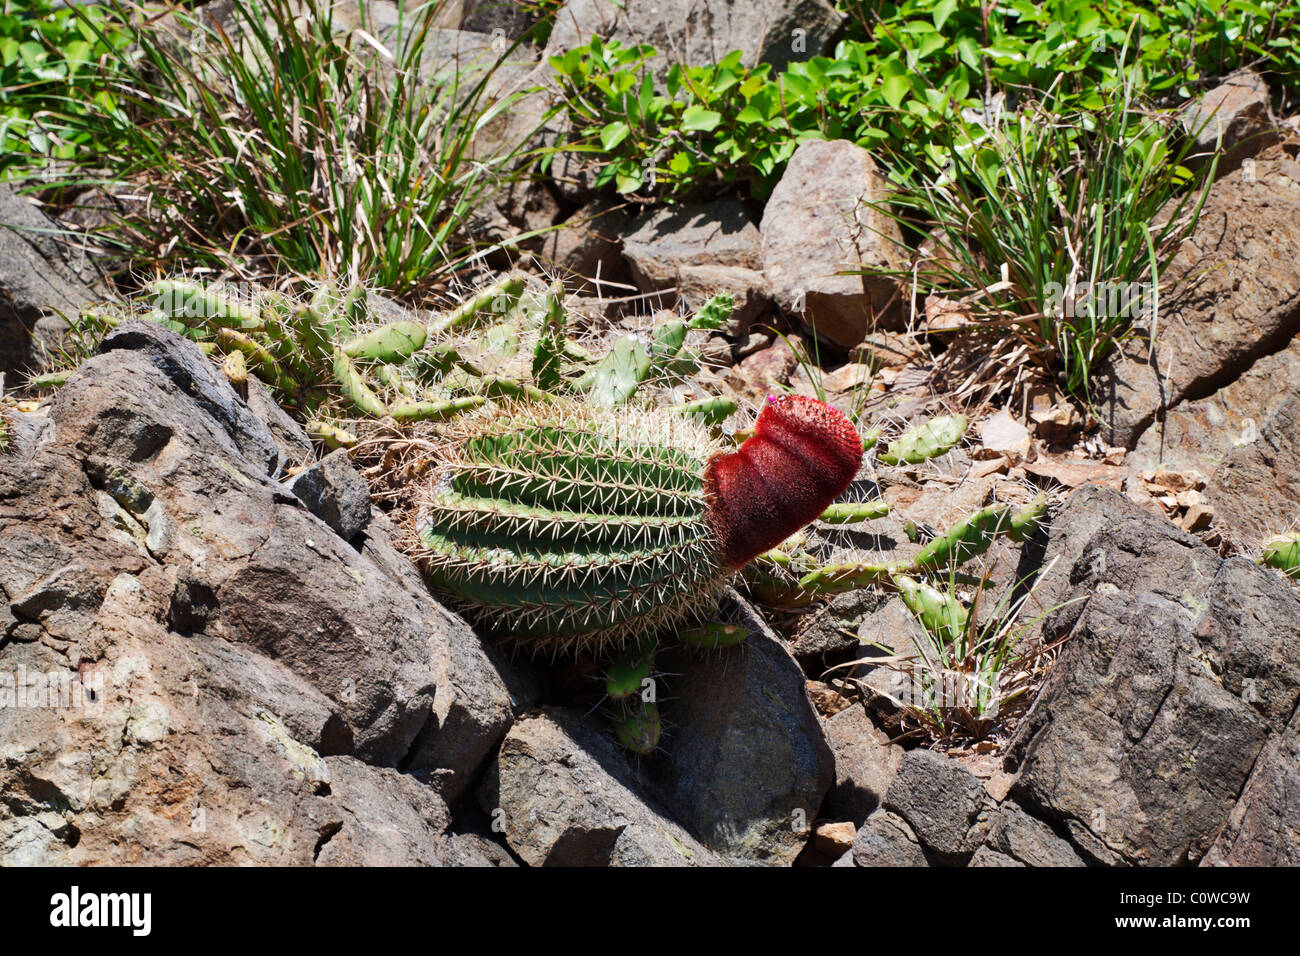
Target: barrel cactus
[569,526]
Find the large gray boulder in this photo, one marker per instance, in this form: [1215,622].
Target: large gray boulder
[564,794]
[941,801]
[1231,296]
[45,279]
[747,765]
[820,222]
[694,32]
[233,640]
[1264,827]
[1180,667]
[887,840]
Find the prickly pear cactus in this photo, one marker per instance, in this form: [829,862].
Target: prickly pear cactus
[574,526]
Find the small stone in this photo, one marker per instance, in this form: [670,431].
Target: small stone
[940,800]
[834,838]
[886,840]
[334,492]
[1197,518]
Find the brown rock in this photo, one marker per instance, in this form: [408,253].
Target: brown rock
[588,250]
[1236,116]
[1233,297]
[817,224]
[698,252]
[865,763]
[834,838]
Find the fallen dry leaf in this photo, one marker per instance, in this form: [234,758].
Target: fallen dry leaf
[945,315]
[989,466]
[1003,434]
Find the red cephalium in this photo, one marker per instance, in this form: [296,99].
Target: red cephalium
[802,455]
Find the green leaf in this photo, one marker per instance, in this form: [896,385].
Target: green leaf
[613,134]
[696,119]
[969,51]
[895,90]
[627,178]
[942,11]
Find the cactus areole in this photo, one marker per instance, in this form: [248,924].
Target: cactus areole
[575,527]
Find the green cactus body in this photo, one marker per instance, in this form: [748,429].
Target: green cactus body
[620,373]
[1283,552]
[712,636]
[433,411]
[930,440]
[967,538]
[495,300]
[496,387]
[572,526]
[354,388]
[1025,521]
[332,436]
[852,512]
[183,300]
[395,342]
[713,410]
[628,672]
[849,576]
[231,341]
[49,380]
[939,613]
[771,586]
[637,727]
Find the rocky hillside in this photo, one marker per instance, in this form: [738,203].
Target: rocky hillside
[213,649]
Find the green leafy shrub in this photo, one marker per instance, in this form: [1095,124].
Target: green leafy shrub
[922,76]
[48,56]
[1025,45]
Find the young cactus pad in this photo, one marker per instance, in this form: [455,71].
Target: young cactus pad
[576,526]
